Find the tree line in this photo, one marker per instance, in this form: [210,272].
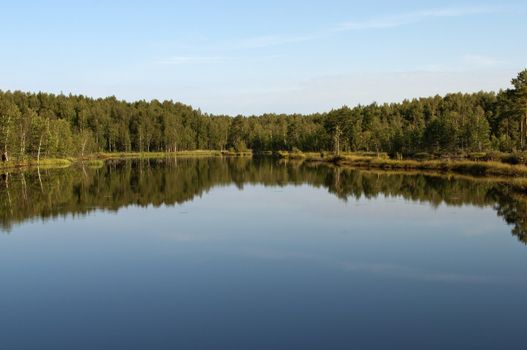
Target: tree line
[36,125]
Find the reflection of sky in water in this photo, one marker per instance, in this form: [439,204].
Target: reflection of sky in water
[265,267]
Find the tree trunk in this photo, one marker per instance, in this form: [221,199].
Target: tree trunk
[83,147]
[23,145]
[522,133]
[39,148]
[524,129]
[5,156]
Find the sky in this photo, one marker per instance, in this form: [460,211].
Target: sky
[253,57]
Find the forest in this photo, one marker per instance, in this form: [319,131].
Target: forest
[42,125]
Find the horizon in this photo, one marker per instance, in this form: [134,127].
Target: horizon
[226,59]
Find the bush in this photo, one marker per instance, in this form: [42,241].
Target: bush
[422,156]
[478,156]
[381,155]
[240,147]
[514,158]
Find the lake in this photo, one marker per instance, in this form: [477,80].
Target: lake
[236,253]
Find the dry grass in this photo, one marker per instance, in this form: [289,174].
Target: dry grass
[44,163]
[151,155]
[97,159]
[291,155]
[476,168]
[381,161]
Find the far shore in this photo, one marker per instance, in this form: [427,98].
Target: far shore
[99,158]
[362,160]
[463,166]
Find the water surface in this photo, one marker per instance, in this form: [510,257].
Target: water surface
[258,254]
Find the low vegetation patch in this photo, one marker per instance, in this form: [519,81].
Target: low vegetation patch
[43,163]
[293,154]
[477,168]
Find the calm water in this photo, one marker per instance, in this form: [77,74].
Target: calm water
[241,254]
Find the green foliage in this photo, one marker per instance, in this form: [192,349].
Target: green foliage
[46,125]
[514,158]
[240,146]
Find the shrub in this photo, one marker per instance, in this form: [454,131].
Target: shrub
[422,156]
[478,156]
[240,146]
[515,158]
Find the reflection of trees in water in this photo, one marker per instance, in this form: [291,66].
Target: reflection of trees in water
[79,190]
[513,208]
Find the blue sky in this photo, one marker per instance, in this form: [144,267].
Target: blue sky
[243,57]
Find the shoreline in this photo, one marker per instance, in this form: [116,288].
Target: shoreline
[472,168]
[101,157]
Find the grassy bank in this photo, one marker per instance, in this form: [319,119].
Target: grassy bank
[488,168]
[154,155]
[469,167]
[29,163]
[518,184]
[97,159]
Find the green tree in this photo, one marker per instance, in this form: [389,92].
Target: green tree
[9,118]
[476,131]
[39,136]
[520,103]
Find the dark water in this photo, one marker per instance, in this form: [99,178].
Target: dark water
[241,254]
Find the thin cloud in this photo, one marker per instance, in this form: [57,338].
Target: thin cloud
[275,40]
[181,60]
[393,21]
[176,60]
[467,62]
[382,22]
[480,60]
[390,21]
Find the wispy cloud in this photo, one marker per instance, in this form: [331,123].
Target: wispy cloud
[480,60]
[274,40]
[196,60]
[373,23]
[391,21]
[467,62]
[176,60]
[381,22]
